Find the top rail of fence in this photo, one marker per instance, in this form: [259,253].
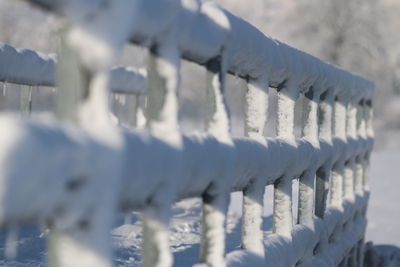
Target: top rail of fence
[204,31]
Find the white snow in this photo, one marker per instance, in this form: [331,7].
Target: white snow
[150,169]
[129,191]
[24,66]
[383,210]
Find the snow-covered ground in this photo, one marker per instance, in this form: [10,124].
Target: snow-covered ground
[384,204]
[383,227]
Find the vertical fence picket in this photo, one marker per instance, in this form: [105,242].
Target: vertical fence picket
[216,197]
[359,163]
[253,194]
[306,182]
[83,100]
[349,174]
[67,98]
[339,132]
[162,121]
[370,134]
[26,100]
[325,135]
[69,83]
[282,216]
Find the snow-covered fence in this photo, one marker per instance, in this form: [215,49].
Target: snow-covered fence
[94,168]
[30,69]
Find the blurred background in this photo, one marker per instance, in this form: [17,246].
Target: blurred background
[358,35]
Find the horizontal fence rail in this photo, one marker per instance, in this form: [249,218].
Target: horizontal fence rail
[92,168]
[28,67]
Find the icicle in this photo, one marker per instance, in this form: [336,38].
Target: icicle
[4,88]
[11,248]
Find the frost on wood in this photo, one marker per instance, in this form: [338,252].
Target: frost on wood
[256,108]
[285,121]
[252,234]
[282,217]
[253,195]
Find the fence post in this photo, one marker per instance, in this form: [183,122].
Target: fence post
[83,100]
[282,216]
[162,121]
[216,197]
[69,88]
[360,159]
[369,114]
[306,181]
[350,169]
[26,100]
[253,194]
[351,133]
[325,135]
[339,132]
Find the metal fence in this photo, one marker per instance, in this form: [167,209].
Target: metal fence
[75,172]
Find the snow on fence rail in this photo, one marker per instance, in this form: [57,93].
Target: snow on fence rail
[94,168]
[28,67]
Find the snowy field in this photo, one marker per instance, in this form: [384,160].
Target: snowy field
[383,227]
[384,204]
